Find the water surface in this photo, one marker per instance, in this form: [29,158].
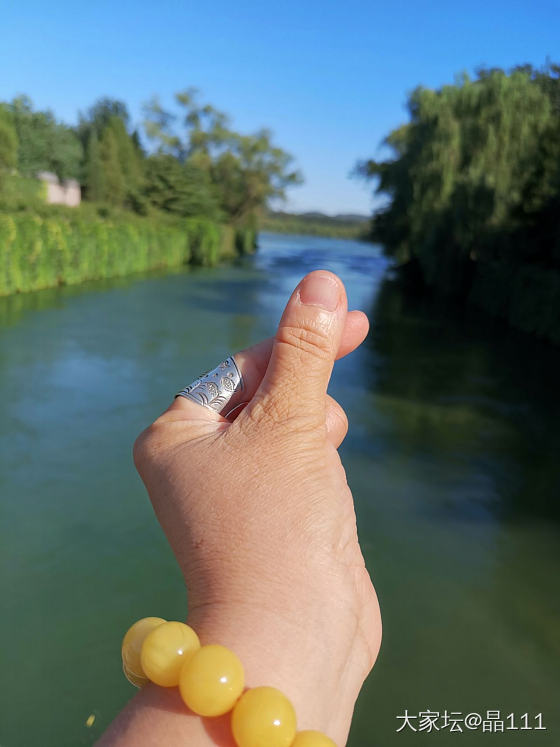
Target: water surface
[452,456]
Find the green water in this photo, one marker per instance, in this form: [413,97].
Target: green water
[453,457]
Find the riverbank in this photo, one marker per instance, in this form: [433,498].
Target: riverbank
[317,224]
[65,247]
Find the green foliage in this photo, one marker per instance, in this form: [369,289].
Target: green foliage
[128,156]
[94,174]
[245,240]
[43,143]
[72,245]
[101,114]
[114,185]
[212,171]
[246,171]
[316,224]
[185,191]
[113,169]
[205,241]
[158,126]
[179,188]
[474,181]
[19,193]
[8,142]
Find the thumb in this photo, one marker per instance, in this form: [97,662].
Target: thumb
[304,350]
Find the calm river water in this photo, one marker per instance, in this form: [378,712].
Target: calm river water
[453,457]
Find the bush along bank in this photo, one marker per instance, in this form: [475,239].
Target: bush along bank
[42,252]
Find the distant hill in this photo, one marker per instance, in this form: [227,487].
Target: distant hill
[344,225]
[354,217]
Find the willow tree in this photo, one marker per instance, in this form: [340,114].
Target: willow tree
[459,173]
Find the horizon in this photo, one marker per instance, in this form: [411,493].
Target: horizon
[304,72]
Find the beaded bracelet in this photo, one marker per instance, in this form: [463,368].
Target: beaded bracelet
[211,681]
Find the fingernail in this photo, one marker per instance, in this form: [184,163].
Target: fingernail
[320,290]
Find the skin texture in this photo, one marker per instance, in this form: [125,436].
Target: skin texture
[261,520]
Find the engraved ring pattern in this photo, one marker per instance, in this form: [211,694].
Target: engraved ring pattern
[219,389]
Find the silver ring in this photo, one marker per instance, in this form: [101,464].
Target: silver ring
[218,390]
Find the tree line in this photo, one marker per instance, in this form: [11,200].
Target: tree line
[196,165]
[345,226]
[472,193]
[193,196]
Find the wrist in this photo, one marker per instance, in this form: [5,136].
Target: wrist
[315,662]
[315,652]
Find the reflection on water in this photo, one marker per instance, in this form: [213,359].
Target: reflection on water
[452,457]
[467,390]
[460,442]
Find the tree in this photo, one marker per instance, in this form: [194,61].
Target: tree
[94,174]
[459,171]
[473,188]
[44,143]
[158,126]
[8,141]
[114,182]
[245,170]
[179,188]
[127,153]
[100,115]
[120,154]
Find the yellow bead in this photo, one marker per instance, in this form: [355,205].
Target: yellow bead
[263,717]
[165,650]
[312,739]
[212,680]
[132,646]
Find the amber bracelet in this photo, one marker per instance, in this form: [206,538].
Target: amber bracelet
[211,681]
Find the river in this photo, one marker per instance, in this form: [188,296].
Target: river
[452,455]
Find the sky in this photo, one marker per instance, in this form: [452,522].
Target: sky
[330,79]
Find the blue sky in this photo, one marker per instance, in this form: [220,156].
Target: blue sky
[329,78]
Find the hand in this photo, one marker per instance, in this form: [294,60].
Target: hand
[261,519]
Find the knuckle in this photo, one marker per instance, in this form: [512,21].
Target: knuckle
[278,413]
[270,410]
[306,340]
[336,417]
[341,416]
[148,445]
